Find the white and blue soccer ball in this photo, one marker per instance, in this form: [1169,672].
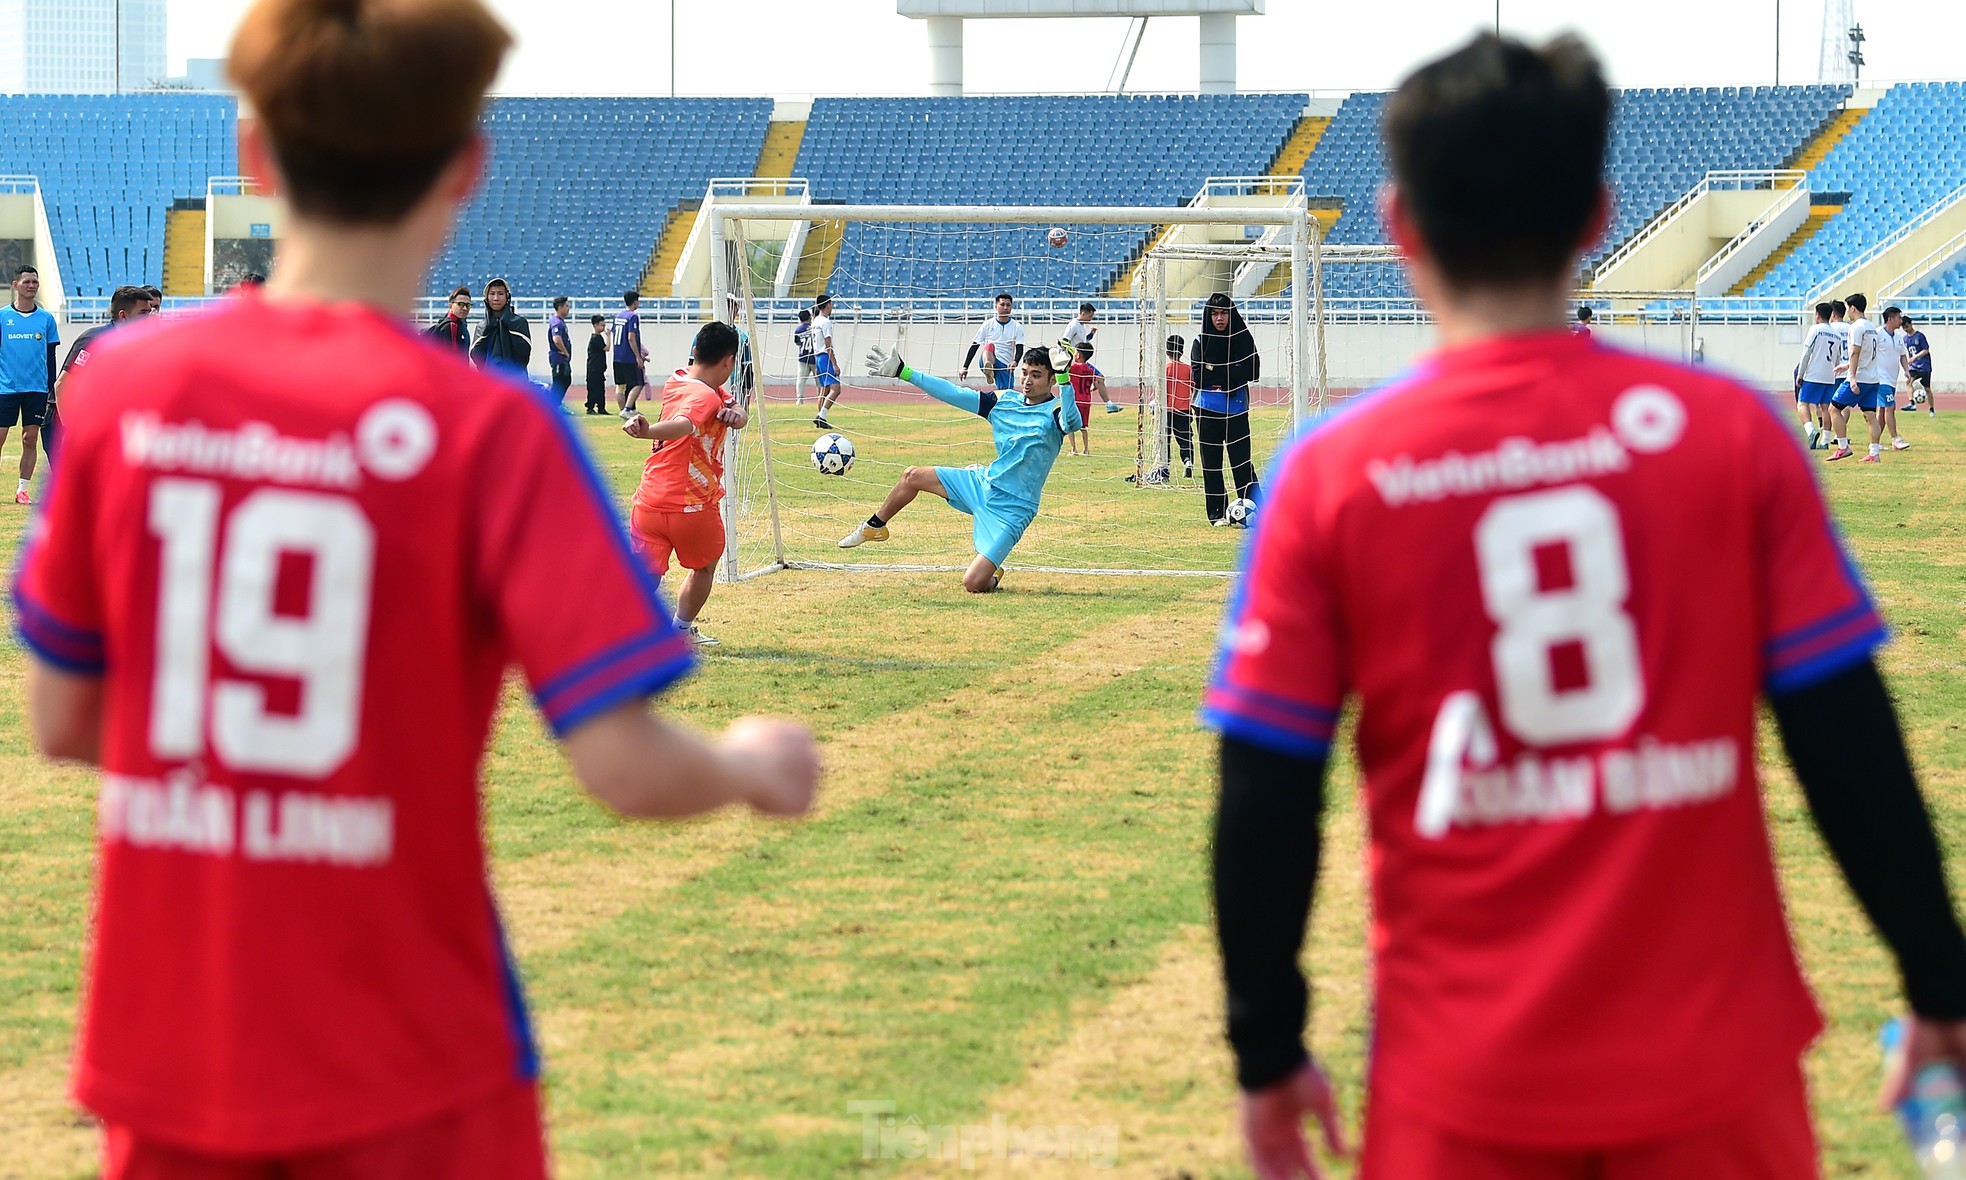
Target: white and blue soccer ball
[832,454]
[1241,513]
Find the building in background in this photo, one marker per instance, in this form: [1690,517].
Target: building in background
[81,46]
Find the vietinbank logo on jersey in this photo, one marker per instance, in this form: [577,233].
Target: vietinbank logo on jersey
[1646,420]
[393,441]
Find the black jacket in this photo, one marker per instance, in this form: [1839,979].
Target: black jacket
[1224,360]
[505,339]
[451,331]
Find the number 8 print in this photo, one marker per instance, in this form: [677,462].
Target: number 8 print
[1532,621]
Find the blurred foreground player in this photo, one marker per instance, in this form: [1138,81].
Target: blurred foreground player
[1581,965]
[277,612]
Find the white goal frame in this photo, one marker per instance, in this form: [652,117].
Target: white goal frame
[726,229]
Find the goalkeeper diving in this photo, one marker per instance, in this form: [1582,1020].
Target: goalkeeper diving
[1029,423]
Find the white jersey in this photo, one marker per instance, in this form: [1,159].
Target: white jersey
[1006,337]
[1078,332]
[1821,353]
[1878,362]
[822,335]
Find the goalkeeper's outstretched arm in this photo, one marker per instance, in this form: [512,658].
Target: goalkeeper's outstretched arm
[882,363]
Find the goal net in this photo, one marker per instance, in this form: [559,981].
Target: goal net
[925,281]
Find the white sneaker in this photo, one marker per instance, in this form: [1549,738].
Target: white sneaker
[862,534]
[697,637]
[1898,444]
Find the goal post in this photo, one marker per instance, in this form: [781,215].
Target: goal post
[942,265]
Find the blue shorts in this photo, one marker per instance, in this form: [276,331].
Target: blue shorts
[1000,522]
[1862,396]
[824,365]
[1815,393]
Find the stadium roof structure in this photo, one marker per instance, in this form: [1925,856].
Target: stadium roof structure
[945,30]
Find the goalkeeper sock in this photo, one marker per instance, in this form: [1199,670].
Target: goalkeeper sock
[876,522]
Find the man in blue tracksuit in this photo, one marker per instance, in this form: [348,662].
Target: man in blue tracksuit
[1029,424]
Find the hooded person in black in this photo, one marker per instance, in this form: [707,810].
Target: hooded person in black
[506,338]
[1224,364]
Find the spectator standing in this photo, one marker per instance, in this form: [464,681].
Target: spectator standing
[1224,365]
[1918,364]
[1180,402]
[156,298]
[808,367]
[125,304]
[630,358]
[597,366]
[1001,341]
[825,359]
[27,370]
[559,349]
[455,328]
[1586,320]
[505,340]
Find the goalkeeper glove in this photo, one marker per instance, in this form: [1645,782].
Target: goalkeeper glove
[882,363]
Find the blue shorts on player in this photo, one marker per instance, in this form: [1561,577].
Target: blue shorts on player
[1815,393]
[1000,520]
[824,364]
[1862,396]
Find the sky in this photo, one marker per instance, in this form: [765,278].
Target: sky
[799,48]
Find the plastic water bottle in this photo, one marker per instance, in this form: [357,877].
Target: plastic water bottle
[1933,1114]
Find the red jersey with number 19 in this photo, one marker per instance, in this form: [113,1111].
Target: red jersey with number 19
[302,592]
[1555,577]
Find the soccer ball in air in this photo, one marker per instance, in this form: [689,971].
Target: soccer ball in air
[1057,237]
[1918,396]
[1241,513]
[832,454]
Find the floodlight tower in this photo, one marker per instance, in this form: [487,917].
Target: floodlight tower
[1842,55]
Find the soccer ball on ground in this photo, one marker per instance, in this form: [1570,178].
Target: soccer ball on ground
[1057,237]
[1241,513]
[832,454]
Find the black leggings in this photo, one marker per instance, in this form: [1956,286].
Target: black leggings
[1181,426]
[1219,432]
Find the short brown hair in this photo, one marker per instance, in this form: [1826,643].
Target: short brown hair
[464,291]
[364,101]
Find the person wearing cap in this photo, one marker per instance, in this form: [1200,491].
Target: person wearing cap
[505,340]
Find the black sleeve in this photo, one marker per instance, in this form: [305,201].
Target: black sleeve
[1255,358]
[971,354]
[1019,356]
[986,402]
[1265,866]
[52,370]
[1842,737]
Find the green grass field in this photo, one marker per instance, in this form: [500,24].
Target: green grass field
[999,910]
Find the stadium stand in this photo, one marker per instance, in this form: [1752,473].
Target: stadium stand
[1662,143]
[1100,150]
[577,189]
[1898,161]
[109,167]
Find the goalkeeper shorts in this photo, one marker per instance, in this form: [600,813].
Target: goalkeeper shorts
[999,523]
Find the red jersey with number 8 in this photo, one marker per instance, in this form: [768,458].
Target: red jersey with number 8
[302,592]
[1554,577]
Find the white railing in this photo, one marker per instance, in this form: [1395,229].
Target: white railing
[757,186]
[18,185]
[1727,181]
[1923,269]
[1252,186]
[1724,257]
[1920,220]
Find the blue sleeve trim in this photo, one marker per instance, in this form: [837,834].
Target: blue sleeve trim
[70,648]
[1809,631]
[1270,737]
[1825,664]
[626,675]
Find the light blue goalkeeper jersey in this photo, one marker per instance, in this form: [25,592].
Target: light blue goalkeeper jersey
[1027,436]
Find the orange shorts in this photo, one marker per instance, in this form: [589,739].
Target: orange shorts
[497,1138]
[1770,1139]
[695,538]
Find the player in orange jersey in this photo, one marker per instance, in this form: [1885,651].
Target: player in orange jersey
[675,508]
